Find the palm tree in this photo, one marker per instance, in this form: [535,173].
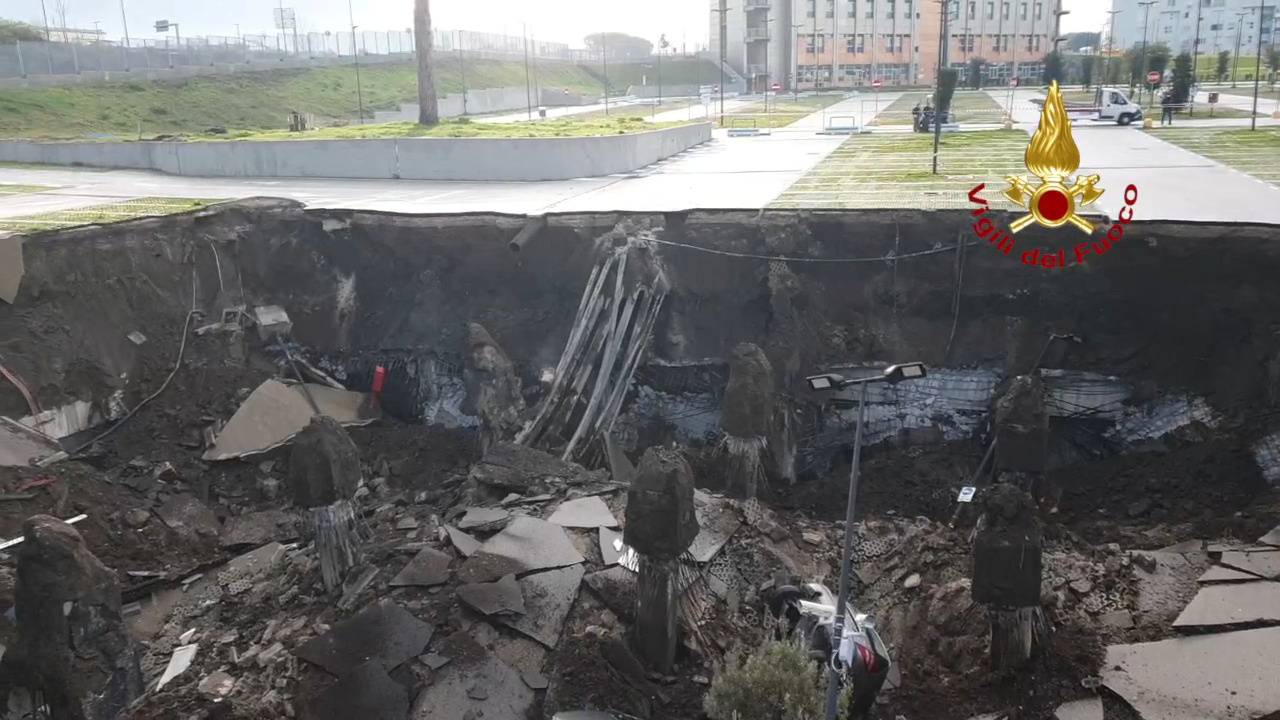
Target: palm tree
[428,106]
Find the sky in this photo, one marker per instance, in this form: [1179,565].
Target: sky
[683,21]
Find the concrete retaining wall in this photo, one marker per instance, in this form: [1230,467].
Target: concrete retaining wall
[513,159]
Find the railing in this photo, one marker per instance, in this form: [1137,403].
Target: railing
[754,34]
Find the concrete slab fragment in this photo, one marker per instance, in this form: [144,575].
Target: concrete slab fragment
[452,694]
[548,597]
[383,631]
[21,446]
[1230,604]
[479,518]
[429,567]
[367,692]
[178,663]
[462,541]
[587,512]
[1225,676]
[492,598]
[616,588]
[1271,538]
[610,543]
[1263,564]
[275,412]
[189,517]
[1217,573]
[259,528]
[1089,709]
[717,522]
[516,467]
[525,545]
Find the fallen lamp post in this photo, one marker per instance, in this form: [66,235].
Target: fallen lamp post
[893,375]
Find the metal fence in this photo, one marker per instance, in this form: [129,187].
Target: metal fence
[26,59]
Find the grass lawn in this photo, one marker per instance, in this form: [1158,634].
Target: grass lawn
[11,189]
[637,111]
[559,127]
[783,110]
[1246,90]
[251,100]
[966,106]
[1251,151]
[892,170]
[103,214]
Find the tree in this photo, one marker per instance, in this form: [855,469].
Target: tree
[1086,70]
[1224,61]
[1077,41]
[428,105]
[946,90]
[1182,80]
[1158,55]
[12,30]
[977,68]
[1053,68]
[620,46]
[1273,62]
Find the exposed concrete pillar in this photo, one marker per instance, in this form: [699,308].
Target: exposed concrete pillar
[324,472]
[493,389]
[72,643]
[1006,575]
[661,525]
[747,415]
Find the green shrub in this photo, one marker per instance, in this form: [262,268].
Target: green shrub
[777,682]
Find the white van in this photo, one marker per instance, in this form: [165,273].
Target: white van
[1117,106]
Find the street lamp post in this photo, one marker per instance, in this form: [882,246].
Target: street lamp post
[1257,71]
[1235,63]
[1106,68]
[795,56]
[893,375]
[1146,14]
[942,64]
[355,54]
[462,73]
[125,50]
[604,60]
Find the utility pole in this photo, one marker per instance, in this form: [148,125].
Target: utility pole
[1013,7]
[355,54]
[1195,61]
[835,39]
[528,99]
[125,50]
[1146,15]
[48,38]
[604,60]
[942,64]
[795,58]
[1257,71]
[462,72]
[1235,64]
[724,49]
[1106,68]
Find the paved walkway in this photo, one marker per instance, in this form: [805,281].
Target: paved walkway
[1242,101]
[857,110]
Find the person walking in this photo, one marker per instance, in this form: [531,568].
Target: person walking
[1166,109]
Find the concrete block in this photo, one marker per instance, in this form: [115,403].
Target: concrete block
[272,321]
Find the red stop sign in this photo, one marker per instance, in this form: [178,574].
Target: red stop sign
[776,87]
[1153,77]
[875,83]
[1013,82]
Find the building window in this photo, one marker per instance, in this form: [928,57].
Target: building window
[1039,10]
[1022,11]
[1030,38]
[1004,11]
[907,12]
[871,9]
[1216,26]
[991,10]
[972,9]
[890,8]
[853,10]
[968,43]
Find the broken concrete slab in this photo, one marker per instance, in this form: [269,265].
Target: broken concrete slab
[1166,581]
[616,588]
[620,465]
[429,567]
[20,446]
[451,693]
[189,517]
[367,692]
[587,512]
[178,663]
[492,598]
[1231,604]
[275,412]
[611,547]
[259,528]
[462,541]
[548,597]
[525,545]
[509,466]
[1225,676]
[1088,709]
[1264,563]
[1271,538]
[1217,573]
[383,631]
[480,518]
[717,522]
[1120,619]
